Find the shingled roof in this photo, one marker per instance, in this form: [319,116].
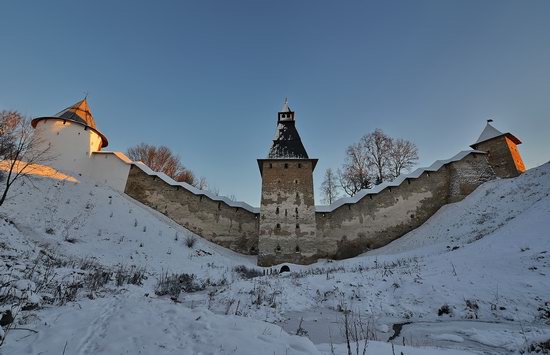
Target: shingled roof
[490,132]
[287,143]
[79,113]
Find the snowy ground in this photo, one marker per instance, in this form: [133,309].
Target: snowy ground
[84,261]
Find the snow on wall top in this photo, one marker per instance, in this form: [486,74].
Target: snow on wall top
[322,209]
[413,175]
[167,179]
[119,155]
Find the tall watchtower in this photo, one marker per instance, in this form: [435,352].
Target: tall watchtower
[502,151]
[287,211]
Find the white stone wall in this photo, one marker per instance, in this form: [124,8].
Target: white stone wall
[75,149]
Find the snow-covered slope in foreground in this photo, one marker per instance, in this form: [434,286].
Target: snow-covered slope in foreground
[473,279]
[475,276]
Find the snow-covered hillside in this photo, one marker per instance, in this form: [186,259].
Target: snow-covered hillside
[474,278]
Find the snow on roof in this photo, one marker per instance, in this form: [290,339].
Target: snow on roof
[395,183]
[147,170]
[491,132]
[119,155]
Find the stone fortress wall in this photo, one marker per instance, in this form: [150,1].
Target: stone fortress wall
[348,227]
[231,224]
[287,227]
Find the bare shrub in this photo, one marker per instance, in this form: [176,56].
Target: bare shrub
[357,332]
[246,272]
[174,284]
[445,309]
[132,275]
[190,241]
[301,331]
[538,347]
[471,307]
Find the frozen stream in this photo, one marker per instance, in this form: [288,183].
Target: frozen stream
[326,325]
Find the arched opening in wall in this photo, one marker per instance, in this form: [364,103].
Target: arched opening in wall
[278,249]
[297,249]
[296,181]
[270,165]
[278,226]
[286,212]
[286,165]
[284,268]
[299,165]
[277,210]
[297,225]
[252,250]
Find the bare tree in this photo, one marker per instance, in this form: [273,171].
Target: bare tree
[355,174]
[403,155]
[375,159]
[201,184]
[20,150]
[162,159]
[329,187]
[377,146]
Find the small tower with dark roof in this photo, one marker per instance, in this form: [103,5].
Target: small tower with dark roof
[287,211]
[502,151]
[71,137]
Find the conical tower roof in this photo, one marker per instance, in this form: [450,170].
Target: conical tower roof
[490,132]
[78,113]
[287,143]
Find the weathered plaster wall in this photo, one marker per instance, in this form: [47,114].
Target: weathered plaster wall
[378,219]
[287,212]
[232,227]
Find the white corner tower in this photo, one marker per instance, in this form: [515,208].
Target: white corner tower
[75,146]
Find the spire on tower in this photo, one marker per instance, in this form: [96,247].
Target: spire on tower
[286,108]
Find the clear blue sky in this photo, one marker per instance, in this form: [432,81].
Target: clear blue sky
[207,78]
